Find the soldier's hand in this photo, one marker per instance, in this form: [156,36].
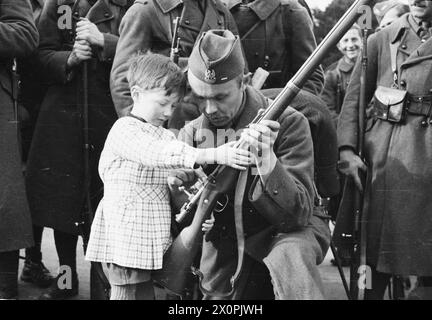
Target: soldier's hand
[182,178]
[89,32]
[350,164]
[261,137]
[81,52]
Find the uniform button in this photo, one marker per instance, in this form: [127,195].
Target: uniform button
[223,228]
[403,83]
[275,192]
[219,22]
[385,115]
[106,14]
[404,46]
[430,90]
[250,211]
[187,22]
[256,54]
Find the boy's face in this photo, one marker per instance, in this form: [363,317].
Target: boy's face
[350,44]
[154,105]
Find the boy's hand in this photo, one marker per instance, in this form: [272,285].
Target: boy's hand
[208,224]
[234,157]
[89,32]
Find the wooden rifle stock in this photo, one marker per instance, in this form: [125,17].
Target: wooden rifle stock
[180,256]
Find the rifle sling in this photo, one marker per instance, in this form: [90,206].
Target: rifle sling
[238,218]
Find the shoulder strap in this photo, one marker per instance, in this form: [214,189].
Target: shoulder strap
[393,57]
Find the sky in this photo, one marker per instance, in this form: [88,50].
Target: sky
[320,4]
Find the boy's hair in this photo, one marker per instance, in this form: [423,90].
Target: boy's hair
[151,70]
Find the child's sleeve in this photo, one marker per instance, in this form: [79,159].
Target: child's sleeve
[131,143]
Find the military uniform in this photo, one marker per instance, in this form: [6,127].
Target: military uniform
[55,166]
[336,81]
[18,38]
[148,25]
[279,224]
[397,202]
[277,35]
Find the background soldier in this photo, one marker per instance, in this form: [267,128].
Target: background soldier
[55,172]
[277,35]
[18,38]
[32,91]
[398,142]
[148,25]
[284,241]
[338,74]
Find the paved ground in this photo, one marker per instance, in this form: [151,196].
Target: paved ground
[330,275]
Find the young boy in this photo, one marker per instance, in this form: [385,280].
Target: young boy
[131,228]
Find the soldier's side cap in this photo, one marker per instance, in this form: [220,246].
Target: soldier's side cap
[217,57]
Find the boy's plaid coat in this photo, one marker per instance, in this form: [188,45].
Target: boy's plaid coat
[131,227]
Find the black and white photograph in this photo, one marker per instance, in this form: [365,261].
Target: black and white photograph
[232,151]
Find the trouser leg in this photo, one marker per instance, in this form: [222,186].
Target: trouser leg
[66,249]
[293,267]
[34,253]
[380,283]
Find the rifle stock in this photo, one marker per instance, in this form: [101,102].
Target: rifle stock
[180,256]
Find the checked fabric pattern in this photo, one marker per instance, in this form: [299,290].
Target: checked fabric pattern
[132,223]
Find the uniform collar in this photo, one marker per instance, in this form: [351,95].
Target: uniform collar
[168,5]
[398,28]
[345,66]
[262,8]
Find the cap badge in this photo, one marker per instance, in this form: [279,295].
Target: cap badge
[210,76]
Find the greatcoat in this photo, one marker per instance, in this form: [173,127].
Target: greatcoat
[55,169]
[18,38]
[398,205]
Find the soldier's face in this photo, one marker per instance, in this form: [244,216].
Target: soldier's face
[421,9]
[218,102]
[350,44]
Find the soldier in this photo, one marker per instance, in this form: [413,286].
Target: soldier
[284,239]
[277,35]
[398,141]
[148,25]
[55,171]
[18,38]
[32,91]
[338,74]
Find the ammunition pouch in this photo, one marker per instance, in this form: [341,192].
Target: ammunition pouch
[393,105]
[390,104]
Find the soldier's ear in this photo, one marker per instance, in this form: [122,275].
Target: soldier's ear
[247,79]
[339,48]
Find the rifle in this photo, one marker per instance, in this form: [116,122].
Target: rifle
[178,259]
[350,229]
[17,117]
[359,248]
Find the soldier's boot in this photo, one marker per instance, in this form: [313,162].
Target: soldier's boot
[35,272]
[57,291]
[9,275]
